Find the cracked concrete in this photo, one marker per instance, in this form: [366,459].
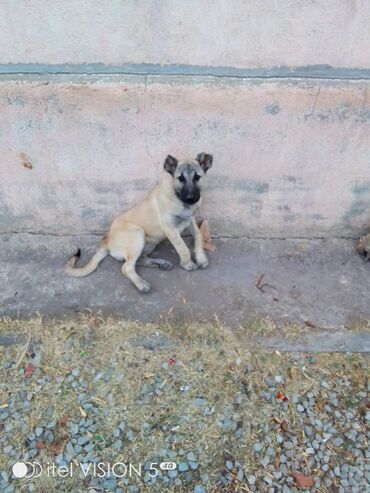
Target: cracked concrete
[324,282]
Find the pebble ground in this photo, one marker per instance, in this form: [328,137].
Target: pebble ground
[95,391]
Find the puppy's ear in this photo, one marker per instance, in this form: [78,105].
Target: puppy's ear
[205,161]
[170,164]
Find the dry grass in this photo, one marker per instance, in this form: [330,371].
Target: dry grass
[210,363]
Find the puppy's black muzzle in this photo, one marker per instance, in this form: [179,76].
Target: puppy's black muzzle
[187,198]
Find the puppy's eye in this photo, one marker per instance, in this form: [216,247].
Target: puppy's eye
[196,177]
[181,178]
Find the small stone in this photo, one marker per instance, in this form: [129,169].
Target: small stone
[270,451]
[300,408]
[110,484]
[251,479]
[188,477]
[338,442]
[267,480]
[199,489]
[183,466]
[199,402]
[265,461]
[74,428]
[89,447]
[257,447]
[38,431]
[191,457]
[83,440]
[308,430]
[5,477]
[130,435]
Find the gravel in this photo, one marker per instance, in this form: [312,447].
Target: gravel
[230,431]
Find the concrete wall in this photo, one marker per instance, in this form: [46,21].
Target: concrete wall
[286,113]
[232,33]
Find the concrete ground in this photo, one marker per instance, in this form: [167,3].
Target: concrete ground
[321,284]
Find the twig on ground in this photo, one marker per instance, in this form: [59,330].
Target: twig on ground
[264,285]
[23,352]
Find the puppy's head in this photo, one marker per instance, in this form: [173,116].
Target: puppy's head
[187,176]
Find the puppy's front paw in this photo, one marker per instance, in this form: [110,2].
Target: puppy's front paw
[143,286]
[189,265]
[201,260]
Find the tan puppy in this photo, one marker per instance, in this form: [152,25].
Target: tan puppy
[165,213]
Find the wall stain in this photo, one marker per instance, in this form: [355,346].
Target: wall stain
[272,109]
[361,202]
[26,163]
[319,217]
[140,184]
[18,100]
[340,114]
[287,213]
[360,189]
[291,179]
[240,185]
[249,192]
[53,104]
[289,183]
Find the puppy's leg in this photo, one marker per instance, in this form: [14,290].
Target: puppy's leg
[155,262]
[131,242]
[200,256]
[183,251]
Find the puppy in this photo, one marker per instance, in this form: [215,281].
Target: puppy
[164,213]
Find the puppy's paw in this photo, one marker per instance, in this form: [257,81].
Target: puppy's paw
[189,265]
[165,265]
[143,287]
[201,260]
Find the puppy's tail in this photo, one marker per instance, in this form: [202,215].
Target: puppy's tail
[93,263]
